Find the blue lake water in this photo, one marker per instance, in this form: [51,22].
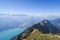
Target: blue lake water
[8,34]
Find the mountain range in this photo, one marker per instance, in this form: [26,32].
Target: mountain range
[16,21]
[44,27]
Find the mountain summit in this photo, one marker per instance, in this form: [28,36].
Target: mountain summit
[44,27]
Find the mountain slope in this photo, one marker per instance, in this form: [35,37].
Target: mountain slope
[36,35]
[56,22]
[43,27]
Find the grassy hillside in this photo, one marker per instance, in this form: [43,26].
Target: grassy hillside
[36,35]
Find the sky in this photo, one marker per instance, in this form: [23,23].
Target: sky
[36,7]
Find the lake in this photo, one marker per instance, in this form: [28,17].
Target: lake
[8,34]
